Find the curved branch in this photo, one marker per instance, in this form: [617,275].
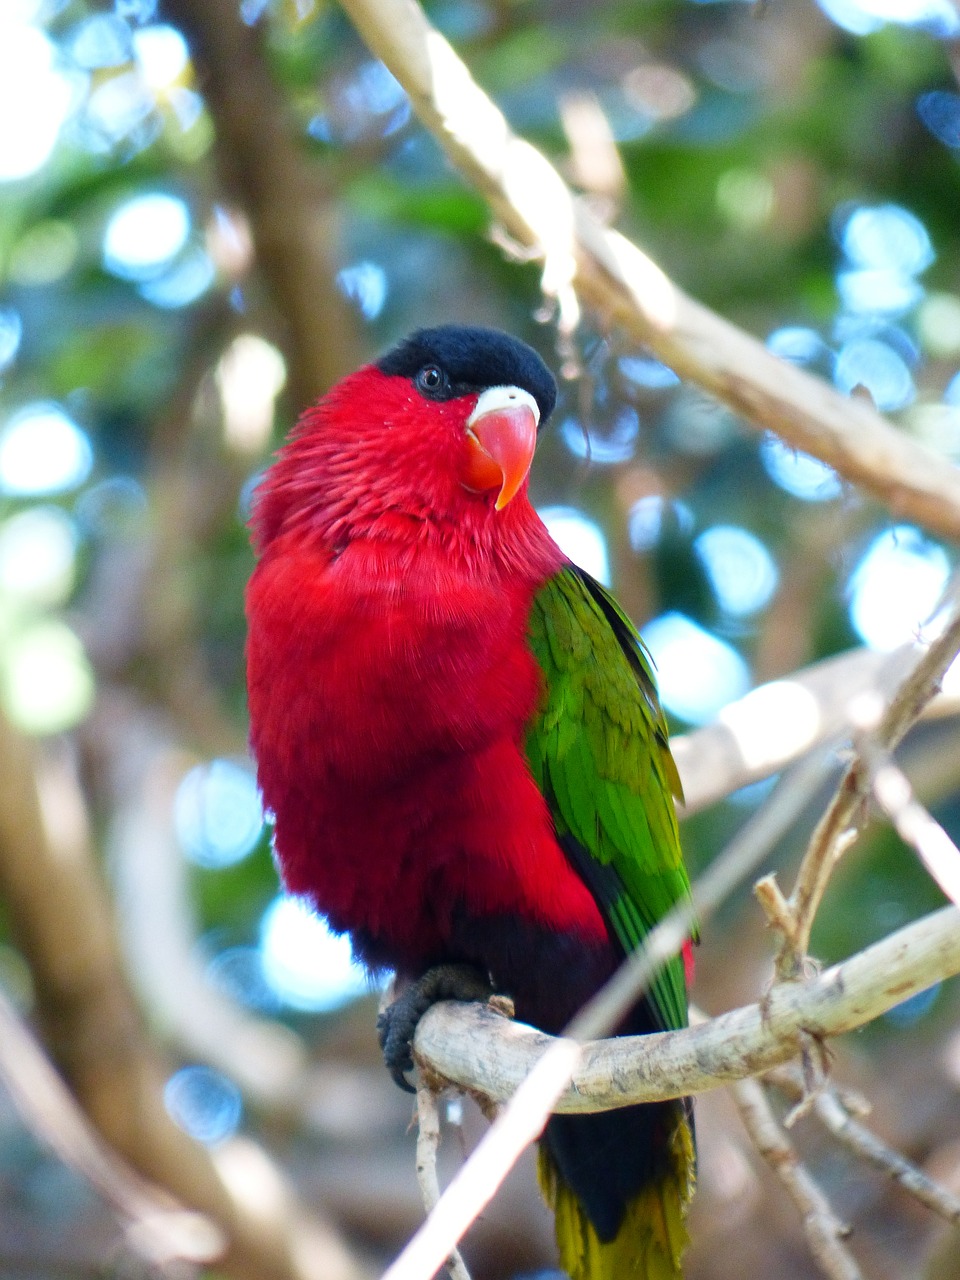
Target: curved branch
[482,1052]
[530,199]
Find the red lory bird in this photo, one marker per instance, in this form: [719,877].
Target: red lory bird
[458,733]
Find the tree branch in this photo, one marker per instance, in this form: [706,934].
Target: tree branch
[428,1144]
[537,209]
[62,919]
[914,824]
[262,165]
[157,1228]
[845,813]
[482,1053]
[825,1233]
[778,722]
[833,1112]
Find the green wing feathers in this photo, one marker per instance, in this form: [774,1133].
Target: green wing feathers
[599,752]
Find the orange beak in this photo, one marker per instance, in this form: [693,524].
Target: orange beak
[501,439]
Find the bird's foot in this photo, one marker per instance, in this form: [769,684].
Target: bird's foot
[398,1022]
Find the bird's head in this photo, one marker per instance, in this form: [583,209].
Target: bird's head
[441,428]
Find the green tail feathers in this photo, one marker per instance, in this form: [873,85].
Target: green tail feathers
[653,1235]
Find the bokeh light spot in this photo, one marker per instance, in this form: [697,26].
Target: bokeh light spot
[218,814]
[364,283]
[250,375]
[48,683]
[101,41]
[875,366]
[144,234]
[851,15]
[11,333]
[44,253]
[862,17]
[908,1012]
[799,345]
[801,475]
[938,325]
[306,965]
[579,538]
[887,237]
[162,54]
[938,426]
[646,372]
[606,447]
[120,109]
[697,672]
[896,586]
[36,97]
[42,451]
[745,198]
[879,289]
[648,518]
[37,555]
[940,112]
[204,1103]
[138,11]
[184,282]
[740,568]
[238,972]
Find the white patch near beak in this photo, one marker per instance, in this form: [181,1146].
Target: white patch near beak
[495,398]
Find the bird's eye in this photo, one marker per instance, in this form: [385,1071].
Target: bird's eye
[431,379]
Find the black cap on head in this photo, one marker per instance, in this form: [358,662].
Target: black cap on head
[468,360]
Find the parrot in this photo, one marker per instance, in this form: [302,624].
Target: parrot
[458,734]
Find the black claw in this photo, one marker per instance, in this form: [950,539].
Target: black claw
[398,1022]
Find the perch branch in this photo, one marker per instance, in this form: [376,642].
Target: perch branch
[581,256]
[479,1051]
[476,1049]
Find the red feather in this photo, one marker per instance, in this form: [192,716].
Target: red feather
[390,680]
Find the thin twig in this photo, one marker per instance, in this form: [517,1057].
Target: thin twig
[825,1233]
[863,1142]
[838,826]
[428,1145]
[833,1106]
[915,825]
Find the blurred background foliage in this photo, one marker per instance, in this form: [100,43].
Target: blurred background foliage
[210,210]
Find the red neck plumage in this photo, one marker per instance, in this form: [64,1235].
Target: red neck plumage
[372,461]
